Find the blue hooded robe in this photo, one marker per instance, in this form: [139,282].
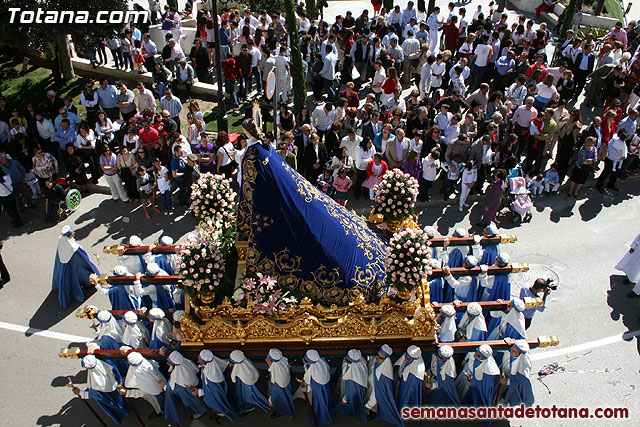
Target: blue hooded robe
[70,277]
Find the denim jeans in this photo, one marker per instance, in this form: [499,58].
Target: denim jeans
[166,200]
[327,85]
[258,77]
[230,88]
[159,89]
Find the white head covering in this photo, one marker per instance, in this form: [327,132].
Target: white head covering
[161,325]
[135,334]
[491,230]
[448,328]
[99,375]
[460,232]
[67,246]
[415,367]
[449,367]
[143,374]
[183,372]
[148,258]
[279,368]
[522,363]
[213,368]
[504,258]
[243,368]
[318,370]
[177,315]
[135,241]
[120,270]
[488,366]
[355,371]
[166,241]
[109,326]
[515,317]
[471,261]
[473,319]
[386,367]
[153,268]
[430,231]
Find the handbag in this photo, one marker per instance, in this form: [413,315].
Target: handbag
[233,164]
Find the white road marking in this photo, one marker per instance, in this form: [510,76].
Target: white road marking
[43,333]
[585,346]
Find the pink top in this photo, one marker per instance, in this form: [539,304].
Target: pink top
[342,185]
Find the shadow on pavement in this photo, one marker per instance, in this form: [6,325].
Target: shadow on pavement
[49,313]
[623,307]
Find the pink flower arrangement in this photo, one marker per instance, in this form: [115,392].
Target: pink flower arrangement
[408,259]
[396,196]
[263,296]
[202,266]
[213,198]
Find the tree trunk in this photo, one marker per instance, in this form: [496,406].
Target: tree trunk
[297,73]
[432,4]
[64,56]
[568,17]
[599,7]
[579,4]
[312,9]
[501,5]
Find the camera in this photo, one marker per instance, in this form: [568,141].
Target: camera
[549,283]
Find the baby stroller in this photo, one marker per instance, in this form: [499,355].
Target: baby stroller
[520,201]
[71,200]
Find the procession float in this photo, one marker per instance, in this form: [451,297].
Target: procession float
[282,265]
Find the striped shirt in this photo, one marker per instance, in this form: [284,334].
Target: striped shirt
[173,105]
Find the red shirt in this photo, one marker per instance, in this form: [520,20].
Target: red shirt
[389,86]
[231,69]
[451,35]
[533,68]
[353,100]
[148,139]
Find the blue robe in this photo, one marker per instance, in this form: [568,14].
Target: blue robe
[519,391]
[481,392]
[321,402]
[501,288]
[191,403]
[471,296]
[440,291]
[70,277]
[113,404]
[478,335]
[410,392]
[215,396]
[121,300]
[489,254]
[165,299]
[163,262]
[387,410]
[156,344]
[355,396]
[246,397]
[281,399]
[455,258]
[120,365]
[445,394]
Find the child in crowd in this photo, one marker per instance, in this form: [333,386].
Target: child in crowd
[535,183]
[325,182]
[453,169]
[469,178]
[76,169]
[164,185]
[430,167]
[146,188]
[551,180]
[342,184]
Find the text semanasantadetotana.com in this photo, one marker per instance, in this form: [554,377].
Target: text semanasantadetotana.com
[497,412]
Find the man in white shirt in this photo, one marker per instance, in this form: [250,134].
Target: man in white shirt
[482,52]
[434,26]
[411,26]
[282,77]
[331,41]
[328,72]
[408,14]
[522,119]
[394,19]
[322,118]
[145,98]
[411,44]
[378,78]
[256,56]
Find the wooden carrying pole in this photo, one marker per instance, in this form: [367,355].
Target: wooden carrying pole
[138,250]
[145,280]
[466,241]
[462,271]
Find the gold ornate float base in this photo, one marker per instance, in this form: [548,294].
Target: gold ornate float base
[331,329]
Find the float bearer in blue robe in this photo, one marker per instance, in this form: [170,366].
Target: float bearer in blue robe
[442,373]
[160,331]
[316,383]
[167,262]
[487,253]
[453,258]
[464,287]
[473,325]
[161,295]
[102,387]
[354,375]
[511,325]
[145,381]
[182,381]
[135,263]
[214,385]
[496,286]
[382,399]
[516,370]
[121,297]
[280,398]
[448,328]
[244,391]
[71,269]
[430,231]
[411,372]
[109,337]
[135,334]
[476,382]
